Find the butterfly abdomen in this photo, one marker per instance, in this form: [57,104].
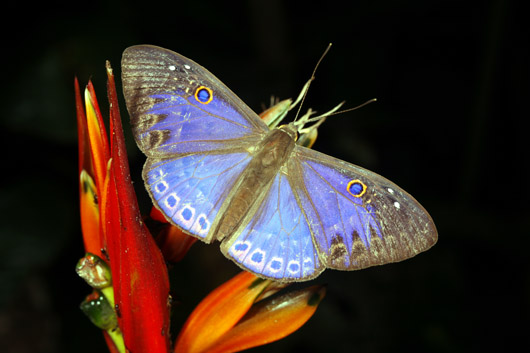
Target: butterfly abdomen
[253,184]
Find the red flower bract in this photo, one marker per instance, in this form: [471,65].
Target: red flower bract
[139,273]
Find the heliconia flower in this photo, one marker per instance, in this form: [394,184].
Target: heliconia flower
[125,264]
[270,320]
[230,320]
[112,227]
[88,190]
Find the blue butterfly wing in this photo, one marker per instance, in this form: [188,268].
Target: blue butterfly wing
[195,132]
[358,218]
[317,212]
[191,189]
[177,106]
[276,242]
[321,212]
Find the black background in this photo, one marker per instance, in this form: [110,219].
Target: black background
[452,82]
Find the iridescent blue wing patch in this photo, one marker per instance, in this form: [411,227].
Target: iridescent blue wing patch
[357,218]
[277,242]
[191,189]
[177,106]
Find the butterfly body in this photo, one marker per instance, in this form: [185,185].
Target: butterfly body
[267,160]
[280,210]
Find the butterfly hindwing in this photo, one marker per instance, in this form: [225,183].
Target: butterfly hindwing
[276,242]
[358,218]
[191,189]
[177,106]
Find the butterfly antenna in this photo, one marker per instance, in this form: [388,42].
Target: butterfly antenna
[333,112]
[306,86]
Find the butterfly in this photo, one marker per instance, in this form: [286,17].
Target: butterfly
[281,211]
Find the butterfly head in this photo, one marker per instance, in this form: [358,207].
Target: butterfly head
[307,135]
[297,130]
[290,129]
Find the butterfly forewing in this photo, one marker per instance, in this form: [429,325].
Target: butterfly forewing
[196,133]
[358,218]
[177,106]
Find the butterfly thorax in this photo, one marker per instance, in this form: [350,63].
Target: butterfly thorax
[290,129]
[251,187]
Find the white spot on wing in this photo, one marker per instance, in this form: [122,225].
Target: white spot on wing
[294,262]
[257,252]
[161,187]
[274,259]
[390,190]
[172,67]
[175,204]
[244,247]
[187,67]
[201,229]
[186,223]
[397,205]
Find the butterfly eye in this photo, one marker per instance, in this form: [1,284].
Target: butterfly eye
[356,188]
[204,95]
